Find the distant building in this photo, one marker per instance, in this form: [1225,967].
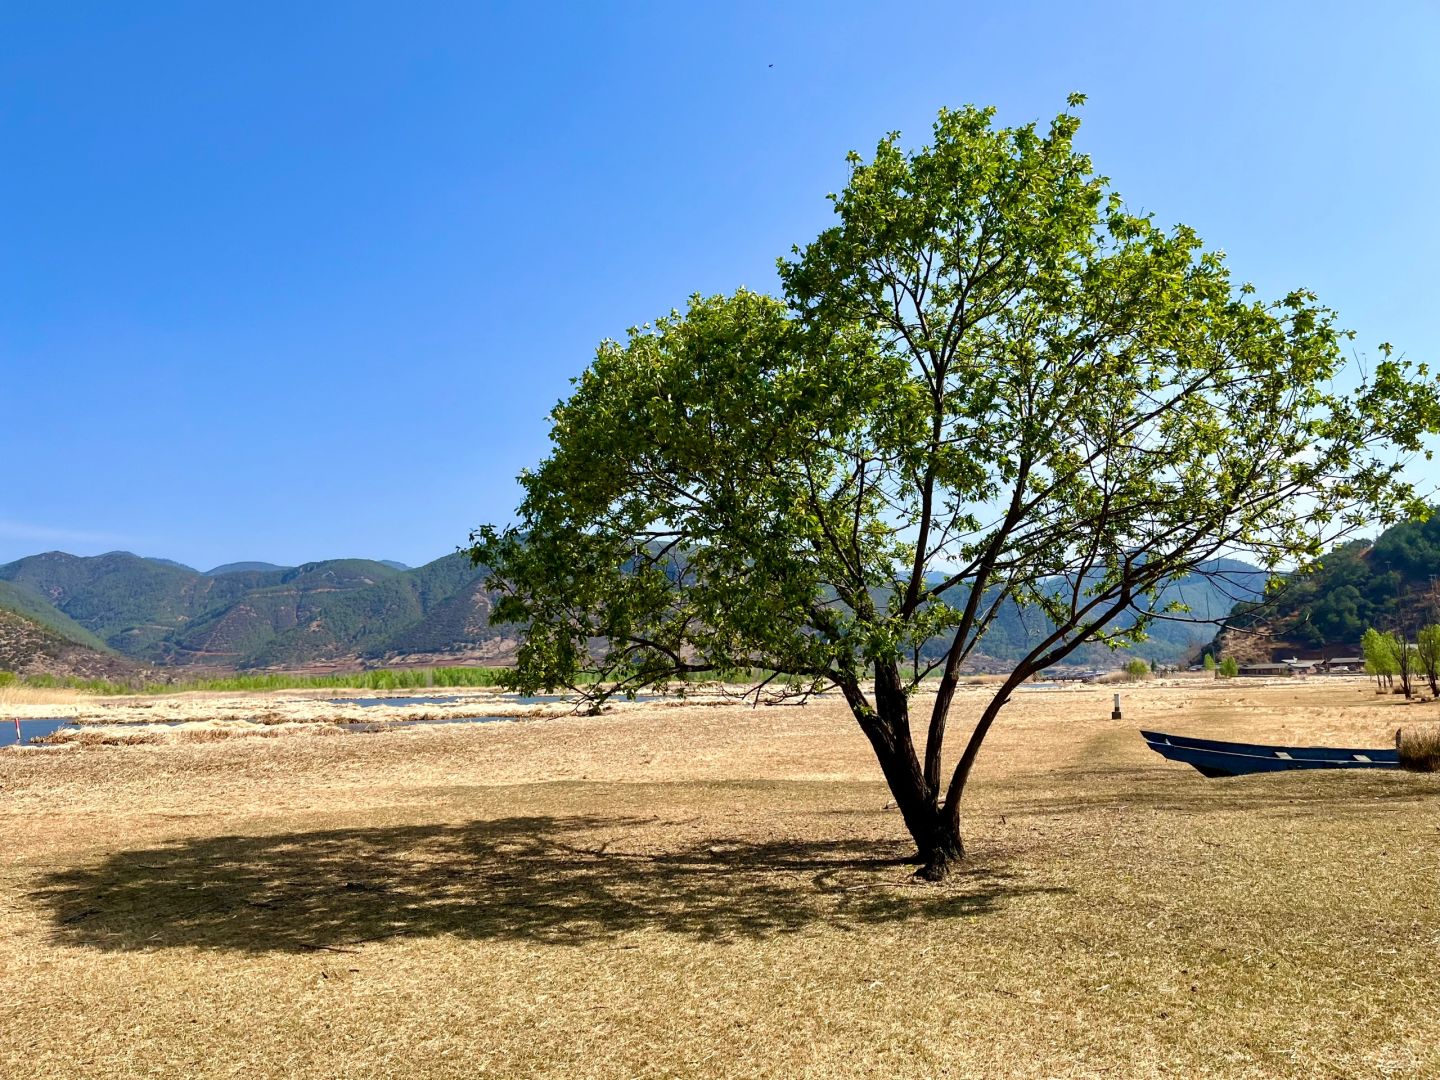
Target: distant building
[1320,665]
[1266,669]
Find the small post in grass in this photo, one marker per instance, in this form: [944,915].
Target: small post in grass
[1115,712]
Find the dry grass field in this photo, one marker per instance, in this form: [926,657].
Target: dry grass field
[719,891]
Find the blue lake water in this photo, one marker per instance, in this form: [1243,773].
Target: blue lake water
[39,729]
[450,699]
[30,729]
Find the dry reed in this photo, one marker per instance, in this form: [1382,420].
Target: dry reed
[84,737]
[1419,747]
[30,695]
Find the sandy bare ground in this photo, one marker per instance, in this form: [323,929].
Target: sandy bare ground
[718,891]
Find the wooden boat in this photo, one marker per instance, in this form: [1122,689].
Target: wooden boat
[1214,758]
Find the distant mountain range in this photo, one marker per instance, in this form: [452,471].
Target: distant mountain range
[249,615]
[236,567]
[1177,638]
[345,612]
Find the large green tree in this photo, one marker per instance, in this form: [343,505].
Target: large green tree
[988,381]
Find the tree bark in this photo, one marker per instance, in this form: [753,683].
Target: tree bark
[941,848]
[935,830]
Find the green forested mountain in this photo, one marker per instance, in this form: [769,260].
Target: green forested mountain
[246,615]
[1392,582]
[321,613]
[19,600]
[162,562]
[35,641]
[129,602]
[240,567]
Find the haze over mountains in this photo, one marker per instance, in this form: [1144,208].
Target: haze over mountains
[84,615]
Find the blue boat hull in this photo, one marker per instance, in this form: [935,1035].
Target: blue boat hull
[1214,758]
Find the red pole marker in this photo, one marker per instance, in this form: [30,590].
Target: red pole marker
[17,730]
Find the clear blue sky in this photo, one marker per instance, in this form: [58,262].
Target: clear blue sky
[297,281]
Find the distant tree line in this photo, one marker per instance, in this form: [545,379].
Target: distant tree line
[1391,655]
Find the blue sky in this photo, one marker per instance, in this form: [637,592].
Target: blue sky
[299,281]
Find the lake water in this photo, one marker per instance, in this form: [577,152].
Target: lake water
[39,729]
[30,729]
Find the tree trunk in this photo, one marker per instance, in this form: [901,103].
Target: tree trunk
[941,848]
[935,829]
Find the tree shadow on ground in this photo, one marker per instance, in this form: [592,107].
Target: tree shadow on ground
[557,880]
[1329,793]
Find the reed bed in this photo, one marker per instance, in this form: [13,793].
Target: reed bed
[1419,747]
[21,694]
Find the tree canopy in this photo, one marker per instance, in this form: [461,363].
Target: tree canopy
[989,381]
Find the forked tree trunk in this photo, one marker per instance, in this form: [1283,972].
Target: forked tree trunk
[934,827]
[936,832]
[933,822]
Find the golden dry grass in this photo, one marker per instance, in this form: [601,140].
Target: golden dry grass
[1419,747]
[719,892]
[13,696]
